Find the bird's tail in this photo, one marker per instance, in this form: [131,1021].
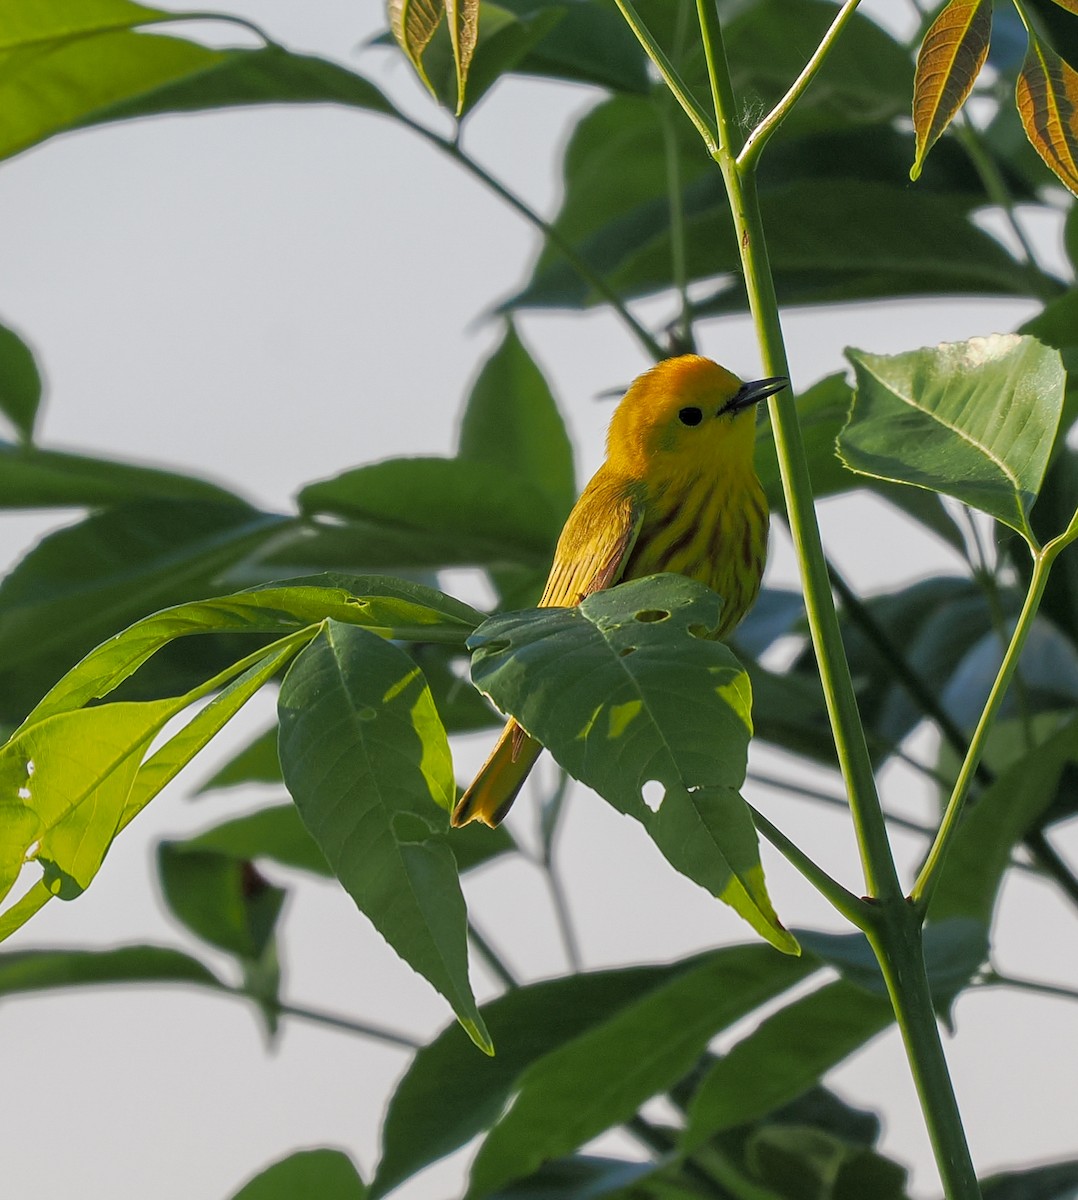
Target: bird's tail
[494,789]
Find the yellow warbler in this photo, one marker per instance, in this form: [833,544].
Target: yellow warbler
[678,492]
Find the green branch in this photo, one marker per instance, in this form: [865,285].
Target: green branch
[928,876]
[852,907]
[677,86]
[756,140]
[580,265]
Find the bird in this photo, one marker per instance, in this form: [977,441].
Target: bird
[677,492]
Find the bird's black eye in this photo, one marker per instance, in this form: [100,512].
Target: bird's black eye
[690,416]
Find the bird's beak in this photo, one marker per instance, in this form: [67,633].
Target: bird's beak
[752,393]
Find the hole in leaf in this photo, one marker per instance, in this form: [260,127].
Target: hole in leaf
[654,794]
[367,713]
[650,615]
[702,632]
[625,651]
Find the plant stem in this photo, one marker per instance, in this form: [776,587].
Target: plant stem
[756,140]
[595,280]
[995,979]
[346,1024]
[881,878]
[491,957]
[1041,284]
[678,89]
[921,892]
[1047,859]
[894,930]
[897,942]
[854,909]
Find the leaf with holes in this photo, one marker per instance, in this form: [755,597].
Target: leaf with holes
[630,687]
[367,762]
[974,420]
[950,59]
[1047,98]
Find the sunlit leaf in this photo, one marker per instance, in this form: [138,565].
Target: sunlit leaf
[462,17]
[83,584]
[1047,97]
[630,687]
[413,23]
[974,420]
[367,762]
[949,61]
[74,82]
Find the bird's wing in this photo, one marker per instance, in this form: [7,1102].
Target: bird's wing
[594,545]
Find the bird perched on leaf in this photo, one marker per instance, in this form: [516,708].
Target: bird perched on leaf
[678,492]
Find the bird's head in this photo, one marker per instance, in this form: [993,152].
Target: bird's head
[686,414]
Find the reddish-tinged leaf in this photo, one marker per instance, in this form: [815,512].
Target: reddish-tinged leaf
[951,57]
[463,17]
[413,23]
[1047,96]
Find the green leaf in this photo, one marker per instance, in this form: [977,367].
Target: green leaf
[950,59]
[85,583]
[221,899]
[461,708]
[34,478]
[367,762]
[257,762]
[278,833]
[74,779]
[808,1164]
[954,949]
[437,512]
[90,79]
[1013,804]
[880,238]
[1052,1181]
[581,1031]
[65,782]
[629,687]
[512,422]
[784,1056]
[20,383]
[591,43]
[974,420]
[327,1174]
[390,607]
[603,1077]
[39,24]
[43,970]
